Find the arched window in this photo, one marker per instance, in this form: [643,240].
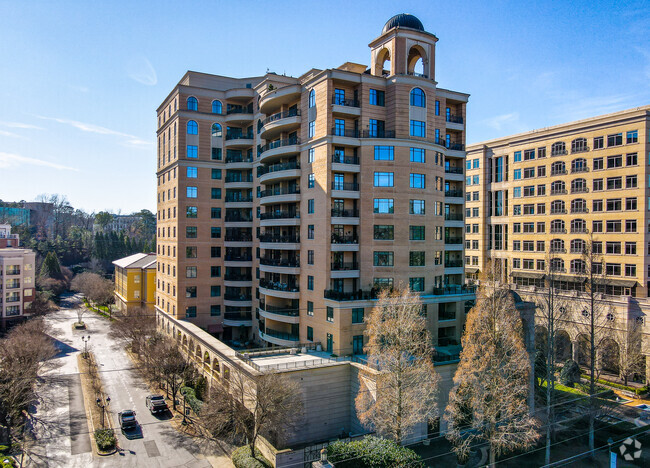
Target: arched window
[578,246]
[577,266]
[216,107]
[216,130]
[558,187]
[557,264]
[579,165]
[579,205]
[192,127]
[558,167]
[558,148]
[206,358]
[557,246]
[557,226]
[578,226]
[418,98]
[579,186]
[192,103]
[312,98]
[579,145]
[557,206]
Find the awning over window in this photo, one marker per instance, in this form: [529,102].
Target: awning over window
[471,269]
[527,274]
[215,328]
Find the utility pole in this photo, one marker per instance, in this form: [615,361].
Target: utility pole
[85,339]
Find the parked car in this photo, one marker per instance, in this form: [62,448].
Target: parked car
[127,420]
[156,404]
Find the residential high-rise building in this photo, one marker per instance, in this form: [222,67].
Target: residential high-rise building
[536,200]
[17,277]
[285,204]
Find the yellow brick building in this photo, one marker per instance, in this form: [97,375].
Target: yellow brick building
[135,281]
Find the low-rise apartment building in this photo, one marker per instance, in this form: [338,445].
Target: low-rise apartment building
[135,281]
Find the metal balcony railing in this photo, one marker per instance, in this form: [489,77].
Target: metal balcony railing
[278,144]
[280,215]
[336,213]
[281,115]
[454,170]
[286,166]
[338,239]
[281,335]
[453,216]
[280,262]
[351,186]
[336,158]
[239,136]
[340,266]
[279,286]
[290,239]
[279,191]
[345,102]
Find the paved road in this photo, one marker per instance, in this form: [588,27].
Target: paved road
[62,431]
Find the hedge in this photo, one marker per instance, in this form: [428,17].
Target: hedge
[371,452]
[241,458]
[192,400]
[635,390]
[105,439]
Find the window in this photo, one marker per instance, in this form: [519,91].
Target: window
[310,231]
[418,98]
[191,192]
[383,205]
[215,291]
[190,292]
[339,97]
[310,308]
[558,148]
[310,206]
[516,192]
[215,213]
[417,181]
[613,248]
[329,314]
[216,130]
[311,155]
[516,210]
[377,97]
[416,284]
[416,232]
[311,180]
[529,154]
[312,129]
[517,156]
[190,272]
[310,283]
[215,193]
[216,107]
[215,271]
[517,174]
[475,180]
[384,232]
[416,259]
[614,183]
[598,164]
[541,153]
[615,140]
[418,128]
[190,312]
[579,145]
[416,207]
[541,190]
[630,204]
[597,185]
[529,173]
[437,107]
[215,310]
[192,151]
[631,159]
[312,98]
[190,252]
[216,154]
[216,174]
[597,205]
[597,226]
[383,179]
[383,259]
[630,225]
[418,155]
[357,315]
[598,143]
[613,269]
[614,226]
[192,127]
[215,233]
[385,153]
[614,161]
[632,137]
[614,204]
[630,270]
[191,172]
[192,103]
[310,333]
[541,208]
[630,181]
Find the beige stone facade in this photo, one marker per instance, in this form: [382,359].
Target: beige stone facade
[17,276]
[284,203]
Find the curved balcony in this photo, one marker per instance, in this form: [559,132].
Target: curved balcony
[239,182]
[236,140]
[280,314]
[240,93]
[274,99]
[279,338]
[285,121]
[236,218]
[238,260]
[237,114]
[290,266]
[279,289]
[237,319]
[279,242]
[280,218]
[278,148]
[278,172]
[279,195]
[237,281]
[237,300]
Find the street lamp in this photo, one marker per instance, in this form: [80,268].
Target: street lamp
[103,407]
[85,339]
[612,455]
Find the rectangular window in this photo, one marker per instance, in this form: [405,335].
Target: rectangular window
[311,155]
[615,139]
[613,248]
[339,97]
[190,272]
[383,205]
[417,181]
[416,207]
[190,252]
[416,284]
[599,142]
[215,232]
[191,211]
[614,204]
[215,193]
[190,232]
[416,233]
[516,192]
[631,159]
[598,164]
[383,179]
[384,232]
[541,207]
[215,251]
[614,183]
[437,107]
[216,154]
[191,192]
[529,154]
[216,174]
[597,184]
[417,155]
[310,283]
[614,226]
[329,314]
[215,310]
[192,151]
[384,153]
[517,156]
[630,225]
[215,271]
[517,174]
[597,205]
[630,204]
[630,181]
[310,308]
[613,269]
[632,137]
[529,173]
[541,190]
[541,153]
[597,226]
[192,172]
[312,129]
[190,292]
[418,128]
[475,180]
[377,97]
[383,259]
[541,227]
[310,334]
[190,312]
[614,161]
[310,180]
[215,213]
[215,291]
[310,231]
[630,248]
[310,206]
[310,257]
[357,315]
[630,270]
[416,259]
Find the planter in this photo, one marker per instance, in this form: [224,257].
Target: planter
[79,326]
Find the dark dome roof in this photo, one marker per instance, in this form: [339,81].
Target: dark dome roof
[403,20]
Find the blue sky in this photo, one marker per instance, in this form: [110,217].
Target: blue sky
[80,81]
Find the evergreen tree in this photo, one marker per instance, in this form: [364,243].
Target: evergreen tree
[51,267]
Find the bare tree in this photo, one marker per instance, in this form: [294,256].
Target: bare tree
[490,397]
[96,288]
[406,383]
[166,361]
[629,356]
[134,328]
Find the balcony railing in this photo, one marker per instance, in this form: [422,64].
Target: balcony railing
[13,271]
[558,191]
[453,216]
[234,198]
[239,110]
[378,134]
[579,169]
[373,293]
[237,158]
[336,213]
[336,158]
[579,210]
[281,115]
[279,286]
[579,230]
[238,258]
[558,230]
[455,146]
[352,186]
[281,335]
[558,211]
[281,262]
[286,166]
[338,239]
[454,170]
[557,250]
[453,263]
[345,102]
[279,191]
[581,149]
[579,189]
[238,218]
[341,266]
[454,193]
[237,277]
[242,237]
[558,152]
[239,136]
[231,178]
[558,172]
[350,133]
[454,118]
[291,239]
[280,310]
[237,297]
[280,215]
[454,289]
[277,144]
[238,316]
[453,240]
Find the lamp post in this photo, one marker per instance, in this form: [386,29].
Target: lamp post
[85,339]
[612,455]
[103,407]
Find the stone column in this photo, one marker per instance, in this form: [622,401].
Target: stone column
[647,369]
[574,350]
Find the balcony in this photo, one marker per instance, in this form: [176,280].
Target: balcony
[280,195]
[238,319]
[454,146]
[579,169]
[237,297]
[454,217]
[555,230]
[377,134]
[578,230]
[239,140]
[453,263]
[245,181]
[556,172]
[337,213]
[238,158]
[348,186]
[558,191]
[453,240]
[13,271]
[345,163]
[454,193]
[278,148]
[454,118]
[345,102]
[338,239]
[361,295]
[341,266]
[279,289]
[278,214]
[280,262]
[453,170]
[238,258]
[279,314]
[279,338]
[579,210]
[558,152]
[275,98]
[579,190]
[275,124]
[558,211]
[278,172]
[238,237]
[261,170]
[342,132]
[237,198]
[272,238]
[237,277]
[579,149]
[238,218]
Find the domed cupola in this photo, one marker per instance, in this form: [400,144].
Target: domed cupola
[403,20]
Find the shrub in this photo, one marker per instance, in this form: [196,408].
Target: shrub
[570,374]
[6,462]
[241,458]
[105,439]
[636,390]
[192,400]
[371,452]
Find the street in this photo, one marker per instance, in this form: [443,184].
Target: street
[62,430]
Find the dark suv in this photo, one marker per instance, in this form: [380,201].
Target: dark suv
[156,404]
[127,420]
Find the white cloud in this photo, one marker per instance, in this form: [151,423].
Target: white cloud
[141,70]
[92,128]
[498,122]
[8,160]
[582,107]
[9,134]
[4,123]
